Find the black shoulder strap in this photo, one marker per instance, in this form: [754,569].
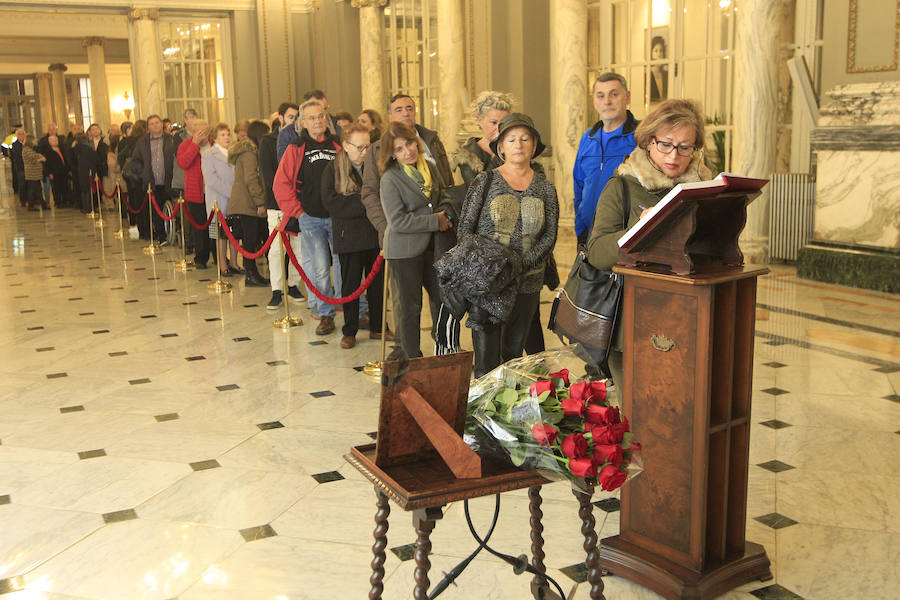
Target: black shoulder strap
[487,185]
[626,203]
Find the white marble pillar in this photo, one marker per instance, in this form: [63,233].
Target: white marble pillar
[45,99]
[60,100]
[568,96]
[99,87]
[371,44]
[146,62]
[755,112]
[451,65]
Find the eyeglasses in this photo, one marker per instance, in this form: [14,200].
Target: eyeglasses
[359,149]
[667,147]
[314,118]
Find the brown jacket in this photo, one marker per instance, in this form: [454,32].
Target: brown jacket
[247,191]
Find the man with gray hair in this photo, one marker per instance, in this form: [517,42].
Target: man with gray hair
[602,149]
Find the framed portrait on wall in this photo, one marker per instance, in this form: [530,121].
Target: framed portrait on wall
[658,71]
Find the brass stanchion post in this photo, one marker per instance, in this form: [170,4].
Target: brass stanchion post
[153,248]
[99,221]
[218,286]
[288,321]
[120,234]
[92,214]
[373,367]
[184,265]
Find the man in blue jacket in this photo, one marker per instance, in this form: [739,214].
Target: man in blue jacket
[602,148]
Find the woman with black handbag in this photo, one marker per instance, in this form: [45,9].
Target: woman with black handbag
[669,151]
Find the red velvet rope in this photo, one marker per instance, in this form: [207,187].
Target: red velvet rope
[194,223]
[237,245]
[140,209]
[108,196]
[158,211]
[365,285]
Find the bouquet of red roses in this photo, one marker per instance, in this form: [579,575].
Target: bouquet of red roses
[529,409]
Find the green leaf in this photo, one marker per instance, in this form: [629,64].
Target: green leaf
[626,440]
[517,454]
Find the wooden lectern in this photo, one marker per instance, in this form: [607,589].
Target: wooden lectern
[688,323]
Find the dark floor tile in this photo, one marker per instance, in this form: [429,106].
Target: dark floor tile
[86,454]
[775,592]
[153,279]
[117,288]
[608,504]
[405,552]
[75,298]
[148,316]
[251,305]
[321,394]
[45,349]
[62,287]
[359,369]
[171,290]
[4,499]
[28,310]
[228,387]
[211,319]
[166,417]
[192,358]
[71,409]
[187,303]
[35,328]
[85,314]
[892,397]
[318,343]
[774,364]
[373,434]
[120,515]
[576,572]
[775,424]
[119,353]
[775,391]
[203,465]
[270,425]
[775,520]
[776,466]
[139,381]
[19,297]
[204,280]
[327,476]
[131,301]
[168,335]
[241,339]
[258,533]
[98,331]
[276,363]
[56,375]
[141,269]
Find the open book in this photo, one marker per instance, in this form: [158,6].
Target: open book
[723,182]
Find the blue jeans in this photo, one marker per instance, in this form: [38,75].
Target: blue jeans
[316,259]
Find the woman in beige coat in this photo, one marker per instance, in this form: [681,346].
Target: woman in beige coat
[248,198]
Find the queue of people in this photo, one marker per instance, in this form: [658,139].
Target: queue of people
[345,190]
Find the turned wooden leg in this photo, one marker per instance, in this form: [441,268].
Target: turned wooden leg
[538,583]
[592,555]
[380,534]
[423,520]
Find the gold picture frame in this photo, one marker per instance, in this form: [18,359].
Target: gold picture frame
[851,43]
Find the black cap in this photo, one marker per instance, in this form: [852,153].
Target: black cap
[517,120]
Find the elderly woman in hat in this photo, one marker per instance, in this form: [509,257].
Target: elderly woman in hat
[517,207]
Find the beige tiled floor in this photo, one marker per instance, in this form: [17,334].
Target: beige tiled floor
[65,282]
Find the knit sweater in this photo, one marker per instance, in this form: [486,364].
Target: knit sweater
[526,222]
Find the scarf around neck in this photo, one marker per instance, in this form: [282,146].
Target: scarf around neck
[421,174]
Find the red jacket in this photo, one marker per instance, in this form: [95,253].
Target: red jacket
[188,157]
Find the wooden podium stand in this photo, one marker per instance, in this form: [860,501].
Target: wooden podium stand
[687,387]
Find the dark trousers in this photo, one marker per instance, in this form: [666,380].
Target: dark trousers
[200,237]
[34,194]
[60,188]
[86,200]
[408,277]
[496,344]
[134,200]
[21,187]
[143,222]
[255,231]
[534,341]
[353,266]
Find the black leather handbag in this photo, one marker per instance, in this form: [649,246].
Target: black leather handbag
[235,225]
[587,308]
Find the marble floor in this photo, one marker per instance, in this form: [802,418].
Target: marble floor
[160,441]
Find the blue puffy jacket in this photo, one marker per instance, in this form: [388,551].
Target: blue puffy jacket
[595,163]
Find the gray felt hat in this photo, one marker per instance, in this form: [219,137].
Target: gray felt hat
[517,120]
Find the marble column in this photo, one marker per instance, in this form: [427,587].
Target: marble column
[45,99]
[60,100]
[568,96]
[451,68]
[371,44]
[99,87]
[276,48]
[755,112]
[146,63]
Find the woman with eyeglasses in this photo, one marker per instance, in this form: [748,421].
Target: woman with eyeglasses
[669,151]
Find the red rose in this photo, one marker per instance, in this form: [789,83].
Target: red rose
[608,453]
[598,390]
[562,374]
[601,415]
[544,434]
[621,429]
[610,477]
[574,446]
[572,407]
[539,387]
[604,434]
[582,467]
[579,391]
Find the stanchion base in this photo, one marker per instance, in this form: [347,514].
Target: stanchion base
[152,249]
[286,323]
[91,215]
[373,368]
[185,265]
[119,235]
[219,287]
[98,223]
